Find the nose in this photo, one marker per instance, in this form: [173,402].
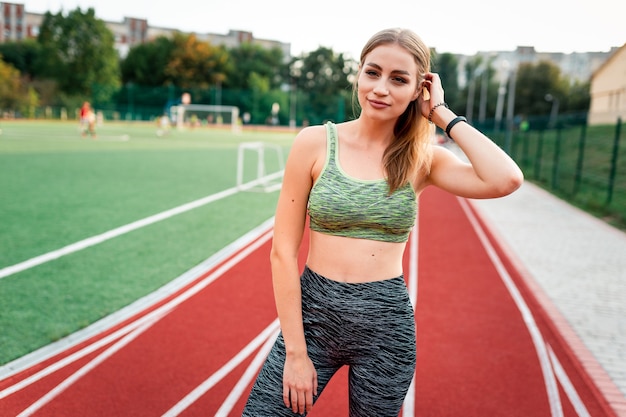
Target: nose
[381,88]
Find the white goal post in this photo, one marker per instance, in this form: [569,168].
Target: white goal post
[206,114]
[263,181]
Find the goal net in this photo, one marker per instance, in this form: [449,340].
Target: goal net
[261,179]
[196,115]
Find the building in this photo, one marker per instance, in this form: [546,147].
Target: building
[608,90]
[131,31]
[13,22]
[578,66]
[18,24]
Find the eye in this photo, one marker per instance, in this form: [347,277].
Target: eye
[371,73]
[400,80]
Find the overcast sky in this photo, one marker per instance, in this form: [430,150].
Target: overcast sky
[457,26]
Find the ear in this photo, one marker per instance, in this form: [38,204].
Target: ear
[419,91]
[423,91]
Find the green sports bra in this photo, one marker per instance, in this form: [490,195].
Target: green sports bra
[341,205]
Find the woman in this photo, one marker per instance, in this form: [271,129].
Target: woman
[359,182]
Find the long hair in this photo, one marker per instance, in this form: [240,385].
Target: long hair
[410,153]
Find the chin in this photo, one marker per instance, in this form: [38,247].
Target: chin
[378,114]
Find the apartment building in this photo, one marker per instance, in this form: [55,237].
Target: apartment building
[18,24]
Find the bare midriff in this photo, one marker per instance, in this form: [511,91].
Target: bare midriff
[354,260]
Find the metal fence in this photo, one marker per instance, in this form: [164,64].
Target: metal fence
[285,106]
[584,164]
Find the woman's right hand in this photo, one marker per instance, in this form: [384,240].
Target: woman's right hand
[299,383]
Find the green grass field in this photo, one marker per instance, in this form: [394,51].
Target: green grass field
[57,188]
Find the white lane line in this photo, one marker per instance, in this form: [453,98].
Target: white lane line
[71,359]
[210,382]
[567,385]
[247,377]
[556,408]
[94,240]
[84,370]
[150,317]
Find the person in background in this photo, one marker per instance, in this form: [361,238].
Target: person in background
[88,120]
[163,124]
[84,124]
[359,183]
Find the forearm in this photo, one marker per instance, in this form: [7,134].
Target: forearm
[288,299]
[490,163]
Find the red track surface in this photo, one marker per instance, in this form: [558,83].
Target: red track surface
[482,337]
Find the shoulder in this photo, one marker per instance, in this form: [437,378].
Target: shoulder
[316,133]
[310,139]
[311,133]
[308,151]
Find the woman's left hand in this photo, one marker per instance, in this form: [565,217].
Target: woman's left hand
[432,83]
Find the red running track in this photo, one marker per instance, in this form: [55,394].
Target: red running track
[485,345]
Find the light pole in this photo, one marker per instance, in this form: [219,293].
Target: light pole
[504,73]
[218,92]
[484,84]
[293,95]
[481,71]
[554,112]
[510,111]
[294,73]
[469,106]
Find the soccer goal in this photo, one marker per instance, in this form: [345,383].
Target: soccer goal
[263,182]
[195,115]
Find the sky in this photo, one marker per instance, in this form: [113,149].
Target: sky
[455,26]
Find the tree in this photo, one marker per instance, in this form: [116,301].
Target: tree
[22,55]
[446,65]
[578,98]
[254,77]
[324,77]
[77,51]
[248,59]
[194,63]
[534,81]
[15,95]
[145,63]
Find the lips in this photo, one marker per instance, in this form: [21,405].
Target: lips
[378,104]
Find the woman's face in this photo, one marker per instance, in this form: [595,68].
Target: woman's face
[387,82]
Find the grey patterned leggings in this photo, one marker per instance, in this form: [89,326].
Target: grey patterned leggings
[368,326]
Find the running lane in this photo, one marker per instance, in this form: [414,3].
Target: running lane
[485,347]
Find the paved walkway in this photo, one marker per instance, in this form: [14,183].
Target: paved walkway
[580,264]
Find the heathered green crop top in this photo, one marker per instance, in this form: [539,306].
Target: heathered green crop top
[341,205]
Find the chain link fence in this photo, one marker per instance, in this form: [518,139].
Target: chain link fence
[583,164]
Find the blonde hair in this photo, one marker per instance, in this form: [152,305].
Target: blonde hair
[410,153]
